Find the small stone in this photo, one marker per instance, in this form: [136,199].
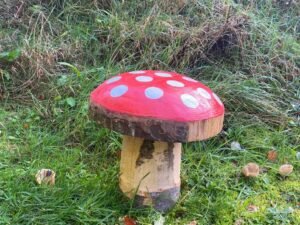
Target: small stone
[45,176]
[235,146]
[285,170]
[251,170]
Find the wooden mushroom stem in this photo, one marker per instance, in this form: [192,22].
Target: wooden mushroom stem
[150,171]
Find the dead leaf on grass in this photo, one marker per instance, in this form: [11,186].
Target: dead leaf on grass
[272,155]
[129,221]
[45,176]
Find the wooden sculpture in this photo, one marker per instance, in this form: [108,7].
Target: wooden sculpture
[155,111]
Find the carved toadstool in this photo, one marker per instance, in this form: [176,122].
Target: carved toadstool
[155,111]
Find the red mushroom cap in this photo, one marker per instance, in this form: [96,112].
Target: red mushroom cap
[158,95]
[157,105]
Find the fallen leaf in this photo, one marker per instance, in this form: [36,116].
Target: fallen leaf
[251,170]
[272,155]
[285,170]
[45,176]
[25,125]
[129,221]
[252,208]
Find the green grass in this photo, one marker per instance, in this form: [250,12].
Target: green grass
[52,55]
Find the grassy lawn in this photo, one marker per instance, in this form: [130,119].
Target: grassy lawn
[52,55]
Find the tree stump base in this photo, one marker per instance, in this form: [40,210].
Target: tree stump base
[150,172]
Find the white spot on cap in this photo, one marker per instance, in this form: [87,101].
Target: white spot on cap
[189,101]
[137,72]
[203,102]
[189,79]
[217,99]
[154,93]
[203,93]
[175,83]
[162,74]
[113,79]
[118,91]
[144,79]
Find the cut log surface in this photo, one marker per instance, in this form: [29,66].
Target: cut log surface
[156,129]
[150,172]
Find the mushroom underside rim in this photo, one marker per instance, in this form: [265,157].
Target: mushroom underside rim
[155,129]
